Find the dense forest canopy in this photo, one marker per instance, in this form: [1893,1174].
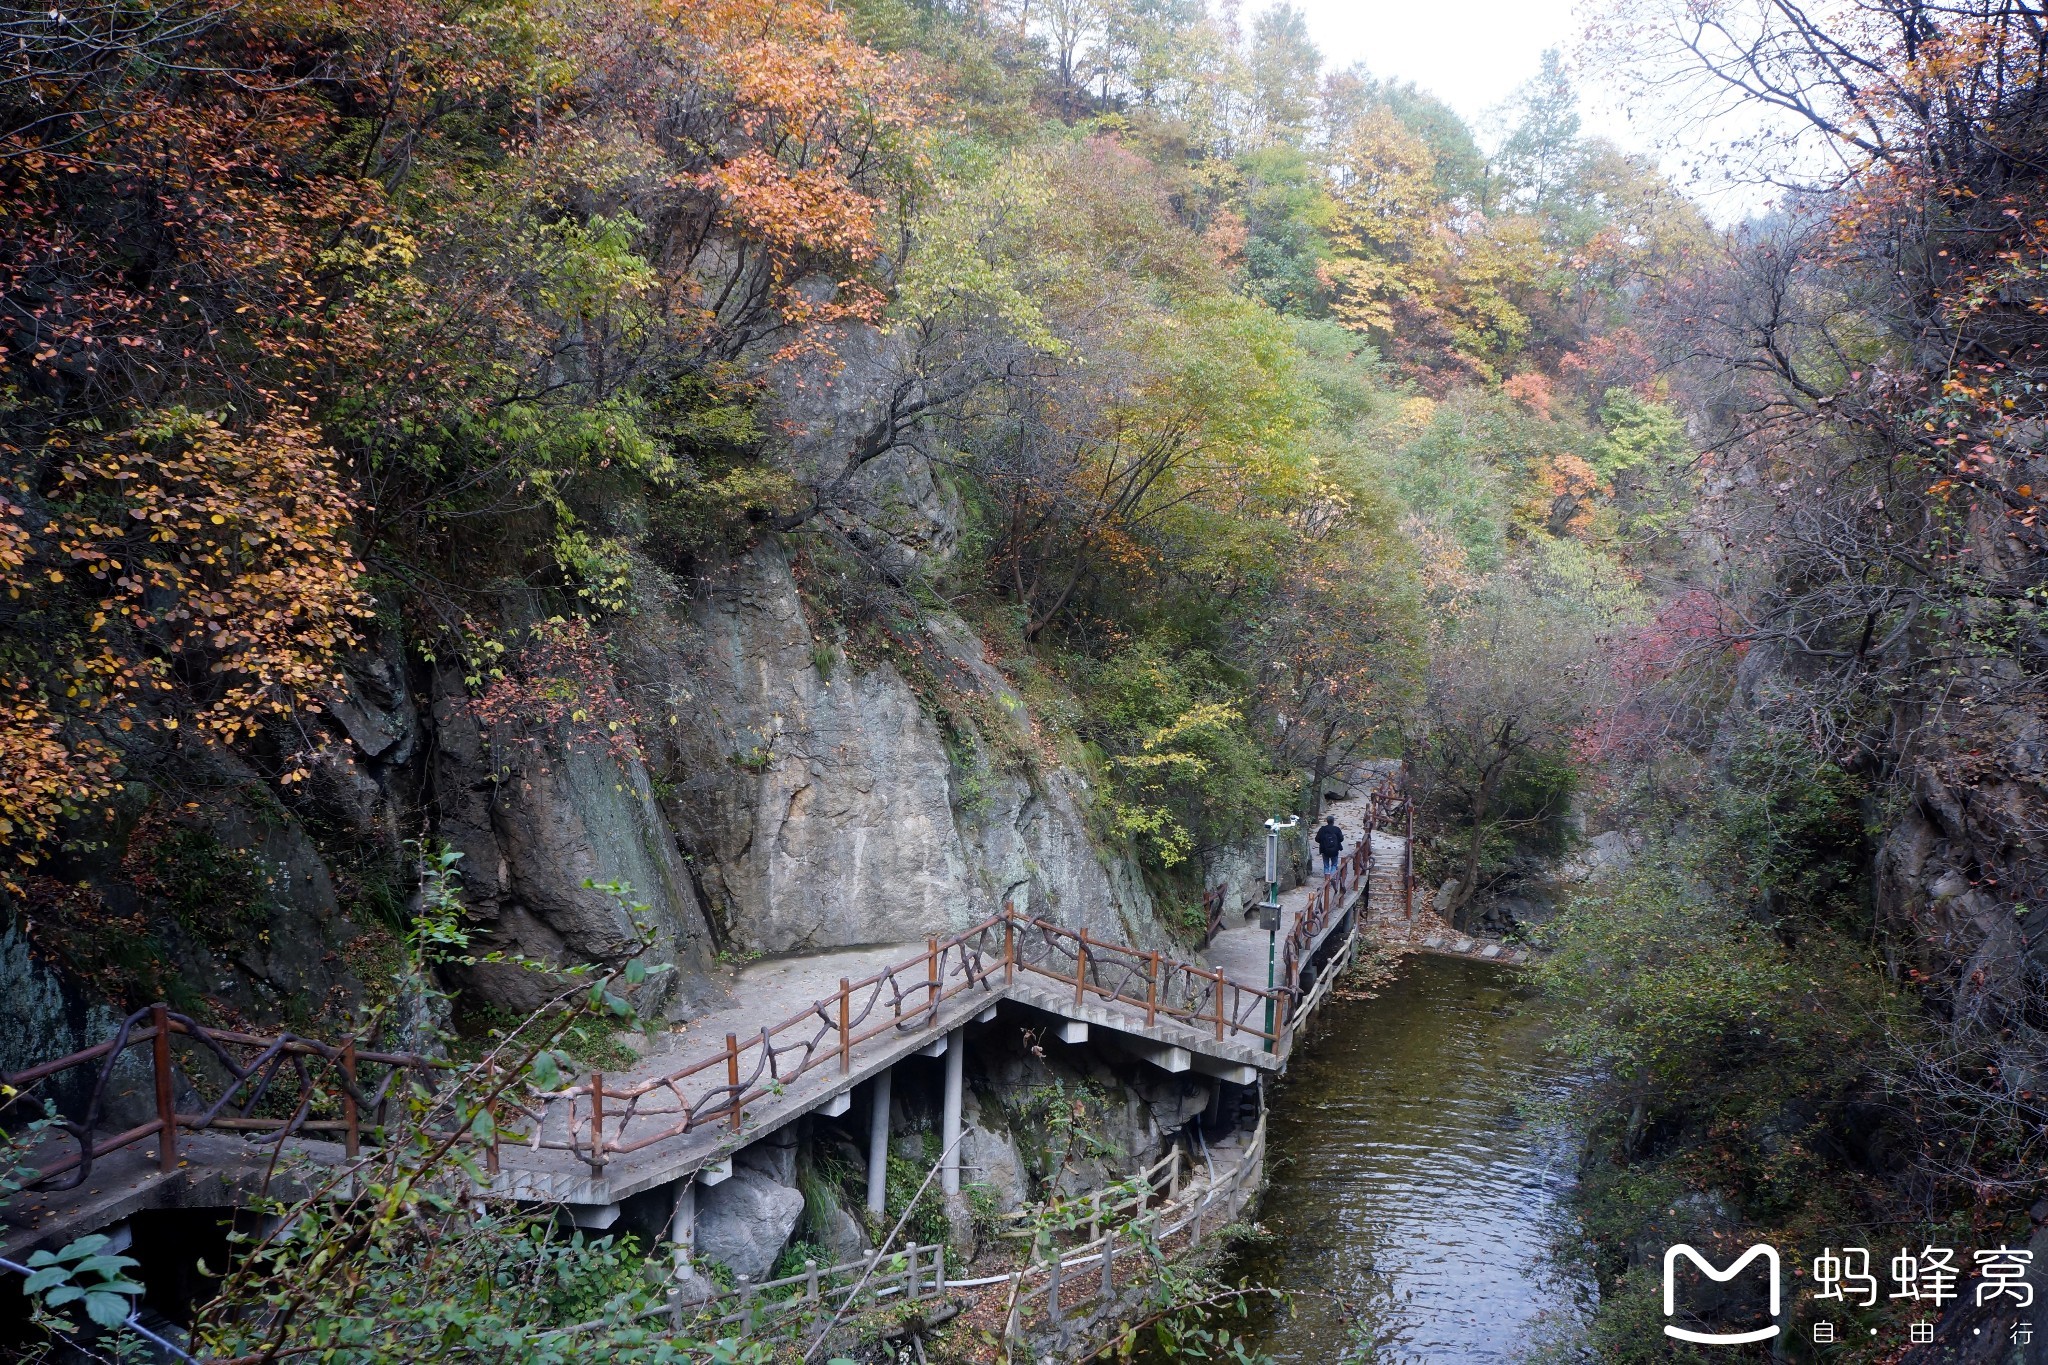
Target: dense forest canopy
[1282,420]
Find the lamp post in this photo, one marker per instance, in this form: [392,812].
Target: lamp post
[1269,913]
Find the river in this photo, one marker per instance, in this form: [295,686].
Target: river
[1405,1180]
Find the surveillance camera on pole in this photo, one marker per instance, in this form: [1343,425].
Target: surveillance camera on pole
[1269,913]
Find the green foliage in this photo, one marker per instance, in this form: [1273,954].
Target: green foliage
[1727,1061]
[1457,464]
[792,1258]
[18,1143]
[437,930]
[1793,824]
[490,1293]
[927,1221]
[1059,1124]
[984,1208]
[1287,211]
[219,893]
[1638,432]
[1187,773]
[1660,971]
[84,1273]
[1535,797]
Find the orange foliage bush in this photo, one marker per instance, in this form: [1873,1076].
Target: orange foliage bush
[257,252]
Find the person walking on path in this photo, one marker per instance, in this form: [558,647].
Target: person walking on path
[1330,843]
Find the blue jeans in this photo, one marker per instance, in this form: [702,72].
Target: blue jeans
[1330,864]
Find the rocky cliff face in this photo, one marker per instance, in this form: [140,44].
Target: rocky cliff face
[781,796]
[783,801]
[822,805]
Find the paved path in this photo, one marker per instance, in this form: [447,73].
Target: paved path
[1241,947]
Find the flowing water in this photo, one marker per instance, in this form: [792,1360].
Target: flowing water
[1407,1182]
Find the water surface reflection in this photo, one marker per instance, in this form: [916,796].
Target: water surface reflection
[1405,1179]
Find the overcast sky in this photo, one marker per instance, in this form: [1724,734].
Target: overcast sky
[1472,54]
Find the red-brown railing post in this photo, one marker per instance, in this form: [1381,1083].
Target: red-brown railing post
[732,1077]
[166,1106]
[1219,1004]
[597,1123]
[1009,943]
[1152,991]
[1081,968]
[845,1027]
[352,1140]
[931,974]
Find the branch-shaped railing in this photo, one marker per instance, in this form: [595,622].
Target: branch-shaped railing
[602,1119]
[276,1086]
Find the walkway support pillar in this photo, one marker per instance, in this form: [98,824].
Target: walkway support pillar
[878,1144]
[682,1225]
[949,1125]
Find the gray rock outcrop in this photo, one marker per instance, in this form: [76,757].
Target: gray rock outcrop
[842,1238]
[534,826]
[823,805]
[989,1156]
[744,1222]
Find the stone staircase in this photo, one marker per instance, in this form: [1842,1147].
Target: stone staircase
[1394,924]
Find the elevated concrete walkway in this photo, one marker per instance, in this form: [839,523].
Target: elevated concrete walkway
[801,1036]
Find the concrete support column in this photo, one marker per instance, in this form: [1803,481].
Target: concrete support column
[949,1125]
[682,1225]
[878,1145]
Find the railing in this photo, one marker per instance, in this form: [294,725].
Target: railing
[604,1120]
[279,1086]
[1326,903]
[896,999]
[323,1090]
[1162,1179]
[914,1273]
[1065,1282]
[1213,901]
[1389,801]
[1162,1202]
[1202,998]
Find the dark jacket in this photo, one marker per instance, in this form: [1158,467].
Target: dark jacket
[1329,839]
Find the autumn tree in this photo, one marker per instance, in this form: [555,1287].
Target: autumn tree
[1336,657]
[480,273]
[1508,684]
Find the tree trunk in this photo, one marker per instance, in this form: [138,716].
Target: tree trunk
[1482,802]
